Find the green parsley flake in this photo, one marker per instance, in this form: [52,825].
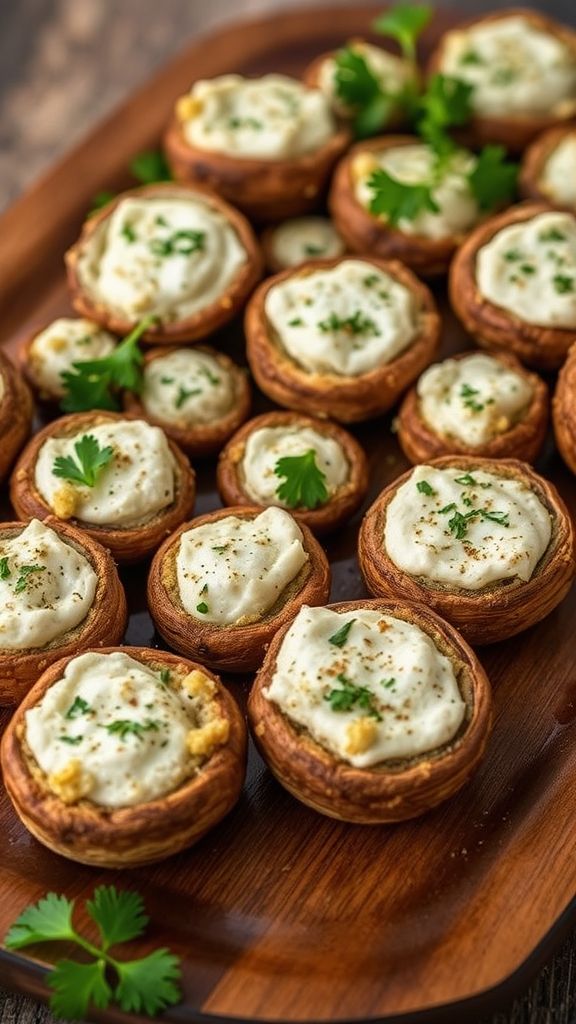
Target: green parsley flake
[4,570]
[350,696]
[26,571]
[340,637]
[355,324]
[78,707]
[424,487]
[563,284]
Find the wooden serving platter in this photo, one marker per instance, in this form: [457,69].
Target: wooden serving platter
[280,914]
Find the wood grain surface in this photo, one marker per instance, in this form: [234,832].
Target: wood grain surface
[469,885]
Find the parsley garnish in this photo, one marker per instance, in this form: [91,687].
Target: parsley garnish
[202,608]
[245,122]
[145,985]
[340,637]
[459,522]
[26,571]
[72,740]
[467,394]
[552,235]
[210,377]
[184,394]
[388,683]
[313,250]
[220,548]
[4,570]
[296,322]
[493,179]
[150,167]
[447,103]
[355,324]
[350,696]
[359,88]
[101,199]
[563,284]
[180,243]
[513,255]
[78,707]
[404,23]
[424,487]
[92,384]
[91,461]
[165,675]
[467,480]
[396,201]
[124,727]
[471,57]
[128,232]
[304,485]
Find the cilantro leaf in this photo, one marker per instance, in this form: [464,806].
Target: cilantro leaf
[359,88]
[25,571]
[374,117]
[101,199]
[46,921]
[120,916]
[340,637]
[75,986]
[91,384]
[445,104]
[91,461]
[351,696]
[425,488]
[150,167]
[493,179]
[396,201]
[304,485]
[4,569]
[404,23]
[149,984]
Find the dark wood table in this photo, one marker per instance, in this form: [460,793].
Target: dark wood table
[63,65]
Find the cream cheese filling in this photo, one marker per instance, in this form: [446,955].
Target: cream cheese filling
[466,530]
[170,257]
[514,67]
[232,571]
[472,400]
[64,342]
[558,179]
[187,388]
[305,238]
[270,118]
[136,484]
[267,445]
[393,73]
[386,692]
[417,164]
[529,269]
[117,732]
[46,588]
[347,320]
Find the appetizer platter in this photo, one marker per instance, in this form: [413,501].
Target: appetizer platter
[287,551]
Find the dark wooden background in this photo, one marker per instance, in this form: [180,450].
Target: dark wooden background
[63,65]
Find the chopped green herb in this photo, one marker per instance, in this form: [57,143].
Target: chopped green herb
[340,637]
[493,179]
[355,324]
[202,608]
[184,394]
[150,167]
[147,985]
[4,570]
[92,460]
[210,377]
[404,23]
[370,280]
[360,89]
[92,384]
[467,394]
[313,250]
[459,522]
[467,480]
[563,284]
[304,484]
[124,727]
[350,696]
[128,233]
[424,487]
[165,675]
[100,200]
[78,707]
[527,268]
[471,57]
[388,683]
[552,235]
[166,380]
[397,201]
[245,122]
[26,571]
[180,243]
[220,548]
[296,322]
[72,740]
[513,255]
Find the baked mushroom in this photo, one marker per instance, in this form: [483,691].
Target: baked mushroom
[295,241]
[475,403]
[521,66]
[197,395]
[51,351]
[486,543]
[16,411]
[370,711]
[118,758]
[564,411]
[266,144]
[221,586]
[391,197]
[394,74]
[341,338]
[548,169]
[59,594]
[312,467]
[175,253]
[116,477]
[513,284]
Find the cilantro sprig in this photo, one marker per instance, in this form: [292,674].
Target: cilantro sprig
[94,383]
[92,460]
[349,696]
[147,168]
[145,985]
[304,484]
[404,23]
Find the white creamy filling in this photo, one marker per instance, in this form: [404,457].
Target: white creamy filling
[187,388]
[515,68]
[305,238]
[46,588]
[385,692]
[62,343]
[170,257]
[466,529]
[393,73]
[234,570]
[416,164]
[270,118]
[134,486]
[347,320]
[472,400]
[269,444]
[558,178]
[112,727]
[529,269]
